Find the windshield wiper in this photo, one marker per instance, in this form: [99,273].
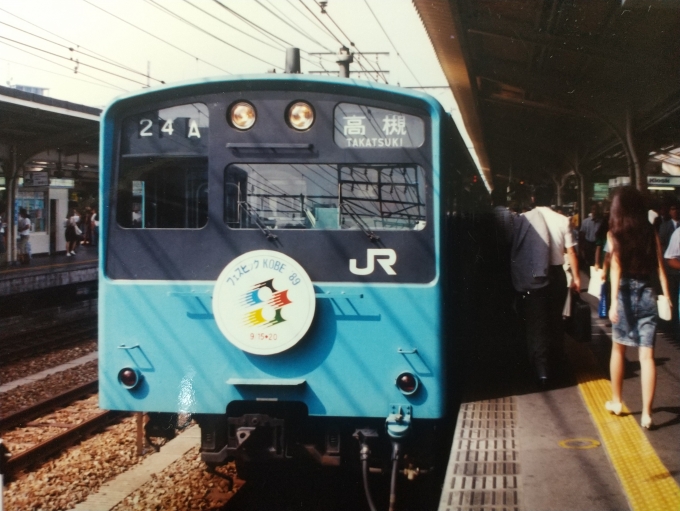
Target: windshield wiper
[253,215]
[362,225]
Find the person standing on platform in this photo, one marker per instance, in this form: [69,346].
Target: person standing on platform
[588,235]
[541,237]
[635,259]
[24,231]
[95,228]
[73,234]
[666,230]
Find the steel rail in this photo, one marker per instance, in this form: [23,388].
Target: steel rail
[66,336]
[48,405]
[59,442]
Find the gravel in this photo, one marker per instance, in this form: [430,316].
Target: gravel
[33,365]
[63,481]
[32,393]
[184,485]
[20,439]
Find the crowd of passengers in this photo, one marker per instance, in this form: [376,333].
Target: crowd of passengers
[631,244]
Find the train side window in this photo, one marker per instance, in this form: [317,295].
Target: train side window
[163,193]
[325,196]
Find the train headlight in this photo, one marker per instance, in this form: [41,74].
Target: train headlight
[300,115]
[129,377]
[242,115]
[407,383]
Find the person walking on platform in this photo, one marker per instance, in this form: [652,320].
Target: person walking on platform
[73,234]
[24,231]
[95,228]
[588,235]
[668,227]
[635,259]
[540,239]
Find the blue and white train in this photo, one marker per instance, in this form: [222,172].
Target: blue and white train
[273,262]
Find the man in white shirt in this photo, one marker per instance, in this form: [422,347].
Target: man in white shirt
[543,307]
[24,231]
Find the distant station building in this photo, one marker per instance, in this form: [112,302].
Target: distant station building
[48,163]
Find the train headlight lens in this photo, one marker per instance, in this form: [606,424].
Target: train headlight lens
[407,383]
[129,377]
[300,115]
[242,115]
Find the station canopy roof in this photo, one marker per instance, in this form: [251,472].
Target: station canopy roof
[547,85]
[47,128]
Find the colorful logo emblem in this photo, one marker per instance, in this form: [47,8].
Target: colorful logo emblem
[264,302]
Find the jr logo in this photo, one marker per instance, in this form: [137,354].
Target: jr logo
[386,258]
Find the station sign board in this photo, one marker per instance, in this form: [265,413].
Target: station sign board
[663,180]
[36,179]
[600,191]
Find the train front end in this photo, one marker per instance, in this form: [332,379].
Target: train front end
[271,265]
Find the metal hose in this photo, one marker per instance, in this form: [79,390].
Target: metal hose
[396,447]
[369,498]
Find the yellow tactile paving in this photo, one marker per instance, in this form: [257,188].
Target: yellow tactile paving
[646,481]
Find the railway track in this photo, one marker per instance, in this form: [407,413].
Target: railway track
[70,434]
[23,344]
[48,405]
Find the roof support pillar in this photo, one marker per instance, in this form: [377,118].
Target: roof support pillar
[559,185]
[639,148]
[581,186]
[11,184]
[635,178]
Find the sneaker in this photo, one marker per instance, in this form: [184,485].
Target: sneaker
[68,254]
[73,252]
[614,407]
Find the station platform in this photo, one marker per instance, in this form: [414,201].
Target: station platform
[50,271]
[521,447]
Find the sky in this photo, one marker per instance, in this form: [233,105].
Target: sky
[91,51]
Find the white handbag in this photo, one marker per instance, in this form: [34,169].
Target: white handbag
[663,304]
[595,284]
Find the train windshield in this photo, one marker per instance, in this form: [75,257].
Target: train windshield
[163,192]
[318,196]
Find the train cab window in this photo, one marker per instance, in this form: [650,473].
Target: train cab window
[163,170]
[163,193]
[331,197]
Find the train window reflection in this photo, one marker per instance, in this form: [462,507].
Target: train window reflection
[334,197]
[163,193]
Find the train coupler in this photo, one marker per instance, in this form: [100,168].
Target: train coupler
[398,422]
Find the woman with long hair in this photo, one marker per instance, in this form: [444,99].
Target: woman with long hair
[635,260]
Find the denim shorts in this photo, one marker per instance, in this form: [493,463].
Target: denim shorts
[636,305]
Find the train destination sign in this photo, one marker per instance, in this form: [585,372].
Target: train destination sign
[181,129]
[264,302]
[365,127]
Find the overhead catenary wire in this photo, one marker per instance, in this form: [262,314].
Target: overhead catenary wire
[315,22]
[337,39]
[110,86]
[390,40]
[252,24]
[78,51]
[263,31]
[279,47]
[156,37]
[78,63]
[62,65]
[82,49]
[180,18]
[325,11]
[288,22]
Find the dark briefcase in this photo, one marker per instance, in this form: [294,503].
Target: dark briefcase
[580,327]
